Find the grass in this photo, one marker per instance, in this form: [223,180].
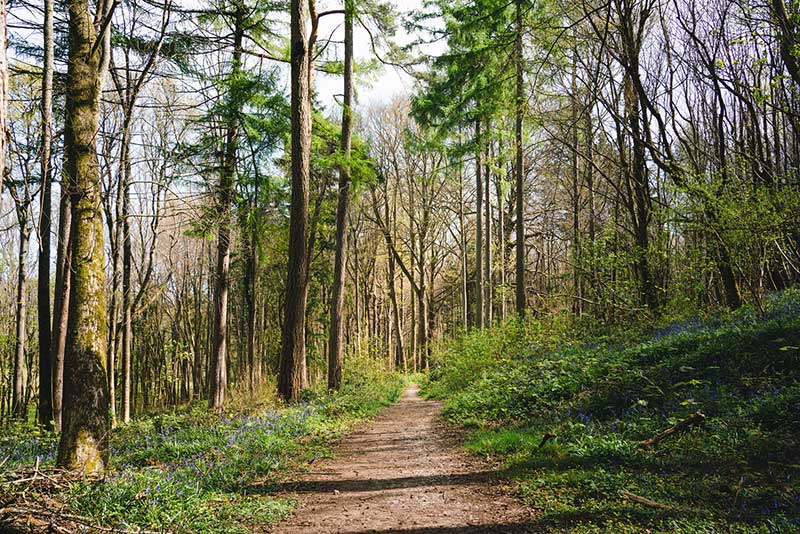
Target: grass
[601,390]
[191,471]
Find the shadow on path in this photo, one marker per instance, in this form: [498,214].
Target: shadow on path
[382,484]
[403,473]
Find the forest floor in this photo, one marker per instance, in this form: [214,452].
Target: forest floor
[405,473]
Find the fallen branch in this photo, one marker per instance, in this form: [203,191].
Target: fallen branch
[547,437]
[644,500]
[48,515]
[694,419]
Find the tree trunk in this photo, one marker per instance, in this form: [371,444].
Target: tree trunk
[642,212]
[3,91]
[479,282]
[293,334]
[577,287]
[61,304]
[250,279]
[218,371]
[487,256]
[518,170]
[502,242]
[127,257]
[45,224]
[336,354]
[84,438]
[463,243]
[18,403]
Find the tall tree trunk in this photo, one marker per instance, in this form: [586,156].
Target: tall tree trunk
[197,345]
[127,264]
[218,372]
[399,359]
[642,212]
[250,279]
[61,304]
[487,256]
[479,282]
[3,91]
[18,402]
[518,170]
[336,354]
[577,288]
[84,438]
[45,224]
[399,352]
[293,349]
[589,149]
[115,238]
[501,243]
[463,239]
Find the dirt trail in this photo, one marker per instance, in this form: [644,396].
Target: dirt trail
[403,473]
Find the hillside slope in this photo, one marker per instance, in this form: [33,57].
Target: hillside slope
[599,395]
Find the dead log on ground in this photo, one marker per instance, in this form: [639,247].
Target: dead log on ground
[644,500]
[694,419]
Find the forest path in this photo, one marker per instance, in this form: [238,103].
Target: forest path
[402,473]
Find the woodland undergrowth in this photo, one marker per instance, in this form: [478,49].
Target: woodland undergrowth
[562,404]
[190,470]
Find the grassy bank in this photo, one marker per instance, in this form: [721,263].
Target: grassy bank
[192,471]
[600,391]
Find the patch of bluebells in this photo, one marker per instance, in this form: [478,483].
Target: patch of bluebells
[784,305]
[688,326]
[162,475]
[781,306]
[22,451]
[182,445]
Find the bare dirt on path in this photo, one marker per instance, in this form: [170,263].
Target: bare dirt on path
[402,473]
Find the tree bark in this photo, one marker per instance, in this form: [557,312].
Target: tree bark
[788,38]
[18,402]
[336,350]
[84,438]
[3,91]
[518,168]
[127,264]
[218,372]
[61,304]
[577,265]
[45,413]
[250,278]
[293,334]
[479,282]
[487,256]
[463,243]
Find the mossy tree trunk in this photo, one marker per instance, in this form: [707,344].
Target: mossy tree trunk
[85,419]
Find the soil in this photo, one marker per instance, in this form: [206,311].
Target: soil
[403,473]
